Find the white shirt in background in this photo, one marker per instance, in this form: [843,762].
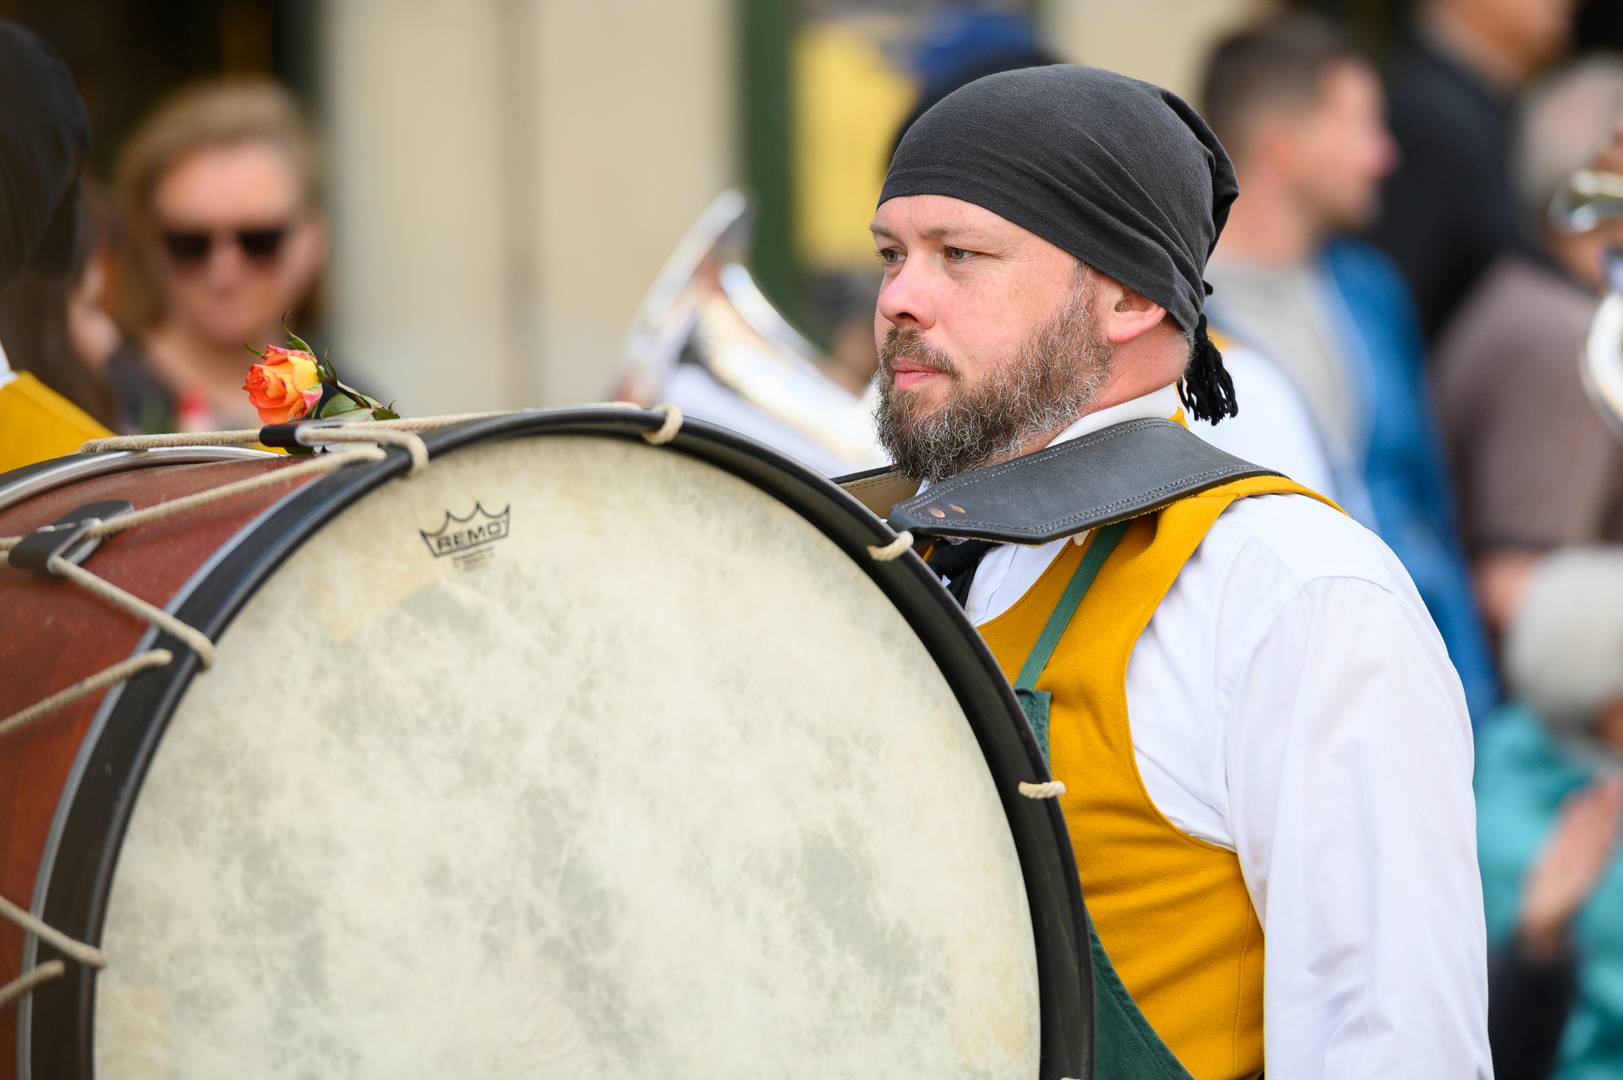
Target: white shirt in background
[1274,428]
[1291,701]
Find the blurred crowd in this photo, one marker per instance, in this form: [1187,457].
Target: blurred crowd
[1395,256]
[1402,310]
[209,237]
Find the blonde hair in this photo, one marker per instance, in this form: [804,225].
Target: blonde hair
[1564,649]
[213,113]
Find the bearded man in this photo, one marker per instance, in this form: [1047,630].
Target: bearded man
[1265,751]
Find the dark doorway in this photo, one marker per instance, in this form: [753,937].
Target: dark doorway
[1378,22]
[125,54]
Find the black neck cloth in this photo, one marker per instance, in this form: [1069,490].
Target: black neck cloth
[44,134]
[1122,174]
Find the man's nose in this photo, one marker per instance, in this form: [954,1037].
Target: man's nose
[905,300]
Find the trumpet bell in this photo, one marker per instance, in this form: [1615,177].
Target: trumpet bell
[708,340]
[1603,353]
[1588,198]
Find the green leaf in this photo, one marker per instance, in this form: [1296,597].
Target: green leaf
[293,339]
[384,413]
[258,354]
[338,406]
[361,400]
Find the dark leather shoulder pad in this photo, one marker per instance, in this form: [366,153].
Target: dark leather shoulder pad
[1109,475]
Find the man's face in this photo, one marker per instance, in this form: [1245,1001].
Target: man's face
[1340,148]
[988,339]
[1530,32]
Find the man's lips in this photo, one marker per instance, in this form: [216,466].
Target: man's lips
[907,374]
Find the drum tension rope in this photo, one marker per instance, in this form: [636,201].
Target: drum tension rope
[58,548]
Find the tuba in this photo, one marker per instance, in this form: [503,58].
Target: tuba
[707,340]
[1588,198]
[1603,352]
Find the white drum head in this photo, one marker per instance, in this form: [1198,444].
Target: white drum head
[631,773]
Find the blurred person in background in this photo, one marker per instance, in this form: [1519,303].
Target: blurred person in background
[1450,206]
[224,235]
[44,137]
[1549,799]
[965,44]
[1300,112]
[1535,466]
[55,327]
[958,46]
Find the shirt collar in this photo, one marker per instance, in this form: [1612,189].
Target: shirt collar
[1162,404]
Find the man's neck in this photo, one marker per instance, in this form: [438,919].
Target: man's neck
[1160,403]
[1267,226]
[1474,47]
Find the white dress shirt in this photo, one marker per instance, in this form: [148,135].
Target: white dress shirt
[1292,701]
[1274,428]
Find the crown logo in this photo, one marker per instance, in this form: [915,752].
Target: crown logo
[458,534]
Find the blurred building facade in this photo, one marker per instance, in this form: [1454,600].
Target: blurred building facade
[506,177]
[509,175]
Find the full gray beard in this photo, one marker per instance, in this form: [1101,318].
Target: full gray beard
[1040,391]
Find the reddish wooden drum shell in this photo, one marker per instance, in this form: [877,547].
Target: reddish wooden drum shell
[56,633]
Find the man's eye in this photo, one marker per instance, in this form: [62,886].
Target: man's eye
[958,254]
[890,256]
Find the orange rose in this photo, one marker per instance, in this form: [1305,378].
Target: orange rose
[285,387]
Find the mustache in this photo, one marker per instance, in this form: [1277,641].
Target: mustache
[909,344]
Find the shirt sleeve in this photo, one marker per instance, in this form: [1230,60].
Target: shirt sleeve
[1349,756]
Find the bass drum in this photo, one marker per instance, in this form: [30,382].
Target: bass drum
[573,756]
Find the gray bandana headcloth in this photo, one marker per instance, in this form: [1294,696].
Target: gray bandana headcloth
[1122,174]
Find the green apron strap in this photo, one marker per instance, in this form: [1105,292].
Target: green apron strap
[1125,1046]
[1035,701]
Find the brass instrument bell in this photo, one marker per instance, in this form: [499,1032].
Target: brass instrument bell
[708,340]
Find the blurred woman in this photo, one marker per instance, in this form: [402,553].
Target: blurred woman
[1549,787]
[219,192]
[54,326]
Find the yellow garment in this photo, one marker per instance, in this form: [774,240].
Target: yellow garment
[1171,911]
[37,423]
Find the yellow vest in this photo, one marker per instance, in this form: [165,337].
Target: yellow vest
[1171,911]
[37,423]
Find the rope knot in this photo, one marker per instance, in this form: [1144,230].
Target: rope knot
[667,431]
[893,550]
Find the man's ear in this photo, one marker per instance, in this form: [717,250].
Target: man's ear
[1271,146]
[1127,313]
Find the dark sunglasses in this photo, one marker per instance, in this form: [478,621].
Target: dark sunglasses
[191,249]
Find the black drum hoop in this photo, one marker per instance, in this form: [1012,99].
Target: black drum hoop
[57,1029]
